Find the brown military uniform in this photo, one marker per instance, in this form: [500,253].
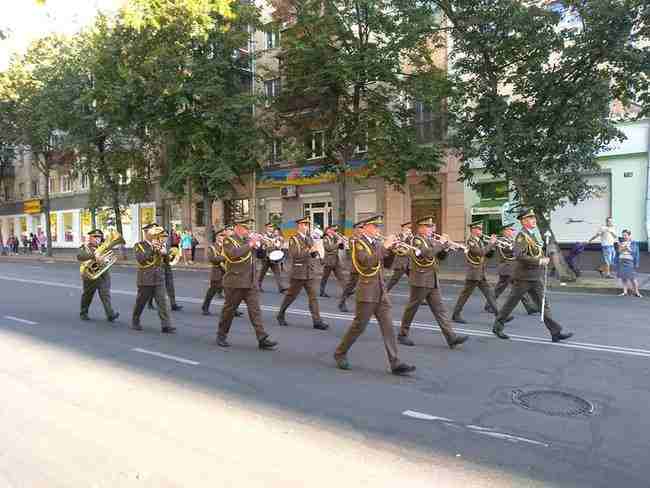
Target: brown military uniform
[102,285]
[217,270]
[505,270]
[400,264]
[240,285]
[424,285]
[527,278]
[150,283]
[476,267]
[372,298]
[302,275]
[332,262]
[168,275]
[268,264]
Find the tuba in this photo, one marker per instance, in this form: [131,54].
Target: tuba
[174,254]
[93,269]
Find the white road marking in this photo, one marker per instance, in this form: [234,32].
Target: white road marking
[22,321]
[166,356]
[477,429]
[629,351]
[424,416]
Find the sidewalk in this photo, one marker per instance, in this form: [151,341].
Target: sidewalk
[589,282]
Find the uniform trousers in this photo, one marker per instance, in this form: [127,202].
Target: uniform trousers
[233,297]
[436,305]
[147,293]
[536,290]
[295,285]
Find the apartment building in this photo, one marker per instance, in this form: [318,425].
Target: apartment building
[21,205]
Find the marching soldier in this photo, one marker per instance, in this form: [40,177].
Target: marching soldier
[240,285]
[263,253]
[217,270]
[476,257]
[353,277]
[505,269]
[424,284]
[332,243]
[149,253]
[169,281]
[401,262]
[369,257]
[303,257]
[102,284]
[527,278]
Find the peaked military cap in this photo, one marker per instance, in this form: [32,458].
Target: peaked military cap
[375,220]
[476,224]
[244,222]
[406,224]
[333,227]
[96,233]
[525,212]
[304,220]
[428,221]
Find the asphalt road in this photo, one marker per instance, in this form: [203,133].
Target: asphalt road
[97,405]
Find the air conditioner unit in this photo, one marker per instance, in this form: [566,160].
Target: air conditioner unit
[289,191]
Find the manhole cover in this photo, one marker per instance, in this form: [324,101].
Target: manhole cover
[549,402]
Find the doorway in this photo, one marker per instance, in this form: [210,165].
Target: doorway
[320,214]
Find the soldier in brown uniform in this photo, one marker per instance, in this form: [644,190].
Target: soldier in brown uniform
[401,263]
[149,254]
[424,284]
[505,269]
[263,254]
[476,258]
[369,257]
[529,271]
[217,270]
[102,285]
[240,285]
[332,243]
[168,274]
[303,258]
[353,277]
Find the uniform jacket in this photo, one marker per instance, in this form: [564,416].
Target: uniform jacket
[332,247]
[371,258]
[150,271]
[527,251]
[303,263]
[479,253]
[216,259]
[506,260]
[425,267]
[87,252]
[240,263]
[402,262]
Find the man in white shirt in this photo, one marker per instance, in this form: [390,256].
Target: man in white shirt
[607,236]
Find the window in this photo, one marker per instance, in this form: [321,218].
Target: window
[52,185]
[199,213]
[9,192]
[21,191]
[275,151]
[236,210]
[84,182]
[315,145]
[35,188]
[66,184]
[272,39]
[493,190]
[272,88]
[428,126]
[362,147]
[67,226]
[125,179]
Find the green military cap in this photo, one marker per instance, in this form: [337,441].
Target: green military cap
[96,233]
[507,226]
[375,220]
[428,221]
[333,227]
[245,222]
[304,220]
[406,224]
[478,224]
[525,212]
[220,231]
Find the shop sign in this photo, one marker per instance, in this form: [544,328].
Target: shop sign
[32,206]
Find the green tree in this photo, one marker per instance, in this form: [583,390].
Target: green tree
[356,70]
[532,93]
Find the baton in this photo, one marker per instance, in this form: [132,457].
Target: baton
[547,236]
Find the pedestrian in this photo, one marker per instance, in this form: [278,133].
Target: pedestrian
[15,244]
[627,262]
[195,243]
[34,242]
[607,235]
[572,257]
[27,245]
[186,247]
[42,240]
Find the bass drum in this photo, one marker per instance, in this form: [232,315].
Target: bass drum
[276,256]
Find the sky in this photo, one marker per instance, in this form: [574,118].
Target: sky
[26,20]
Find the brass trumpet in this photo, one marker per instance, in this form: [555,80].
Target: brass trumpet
[502,242]
[266,241]
[341,237]
[454,246]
